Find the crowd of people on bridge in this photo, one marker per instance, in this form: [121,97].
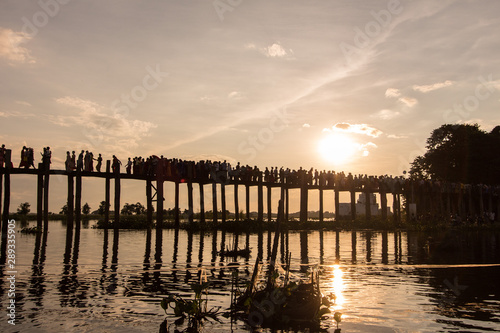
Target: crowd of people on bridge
[175,169]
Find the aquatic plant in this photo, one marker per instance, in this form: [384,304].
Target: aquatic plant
[338,318]
[194,310]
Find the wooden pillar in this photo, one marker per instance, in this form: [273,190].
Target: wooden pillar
[321,216]
[149,204]
[107,194]
[159,202]
[117,196]
[6,205]
[190,201]
[1,190]
[287,203]
[353,204]
[71,201]
[214,201]
[202,203]
[39,198]
[78,198]
[383,204]
[223,201]
[260,200]
[304,191]
[368,211]
[236,203]
[46,179]
[176,204]
[269,204]
[481,201]
[336,194]
[247,201]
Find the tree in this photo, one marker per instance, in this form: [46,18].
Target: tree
[102,208]
[86,209]
[133,209]
[128,209]
[64,210]
[24,208]
[460,153]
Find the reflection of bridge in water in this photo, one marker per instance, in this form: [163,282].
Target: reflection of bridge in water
[430,197]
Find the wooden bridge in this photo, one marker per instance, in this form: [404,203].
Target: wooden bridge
[429,199]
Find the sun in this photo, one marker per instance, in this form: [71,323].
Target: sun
[337,148]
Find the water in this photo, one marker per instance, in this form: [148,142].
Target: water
[384,282]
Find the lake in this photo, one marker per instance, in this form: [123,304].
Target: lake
[98,281]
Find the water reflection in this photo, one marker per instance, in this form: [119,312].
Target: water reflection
[387,280]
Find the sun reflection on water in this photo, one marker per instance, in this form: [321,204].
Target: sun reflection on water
[338,287]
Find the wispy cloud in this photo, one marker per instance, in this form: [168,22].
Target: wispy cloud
[386,114]
[408,101]
[101,124]
[431,87]
[356,128]
[275,51]
[11,49]
[392,92]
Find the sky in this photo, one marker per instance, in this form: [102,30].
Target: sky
[354,86]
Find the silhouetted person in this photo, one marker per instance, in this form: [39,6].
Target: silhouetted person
[99,163]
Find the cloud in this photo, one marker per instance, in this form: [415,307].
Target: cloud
[273,51]
[365,148]
[357,129]
[23,103]
[431,87]
[10,48]
[101,124]
[395,136]
[408,101]
[234,95]
[386,114]
[392,92]
[306,125]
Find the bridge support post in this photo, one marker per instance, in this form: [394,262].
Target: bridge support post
[336,194]
[223,201]
[321,216]
[117,196]
[71,201]
[107,194]
[46,196]
[176,204]
[202,203]
[247,201]
[39,197]
[269,204]
[260,200]
[6,202]
[214,201]
[190,201]
[78,198]
[383,202]
[353,204]
[149,204]
[304,191]
[236,203]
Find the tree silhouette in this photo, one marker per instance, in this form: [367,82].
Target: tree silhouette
[460,153]
[24,208]
[86,209]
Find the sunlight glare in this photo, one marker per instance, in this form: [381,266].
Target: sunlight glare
[337,148]
[338,286]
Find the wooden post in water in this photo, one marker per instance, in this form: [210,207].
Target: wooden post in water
[39,198]
[6,199]
[223,201]
[1,189]
[260,200]
[78,198]
[304,191]
[383,201]
[368,211]
[321,217]
[287,203]
[117,195]
[236,203]
[247,200]
[46,196]
[214,201]
[190,201]
[71,200]
[176,204]
[202,203]
[159,205]
[336,194]
[269,203]
[107,194]
[353,203]
[149,204]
